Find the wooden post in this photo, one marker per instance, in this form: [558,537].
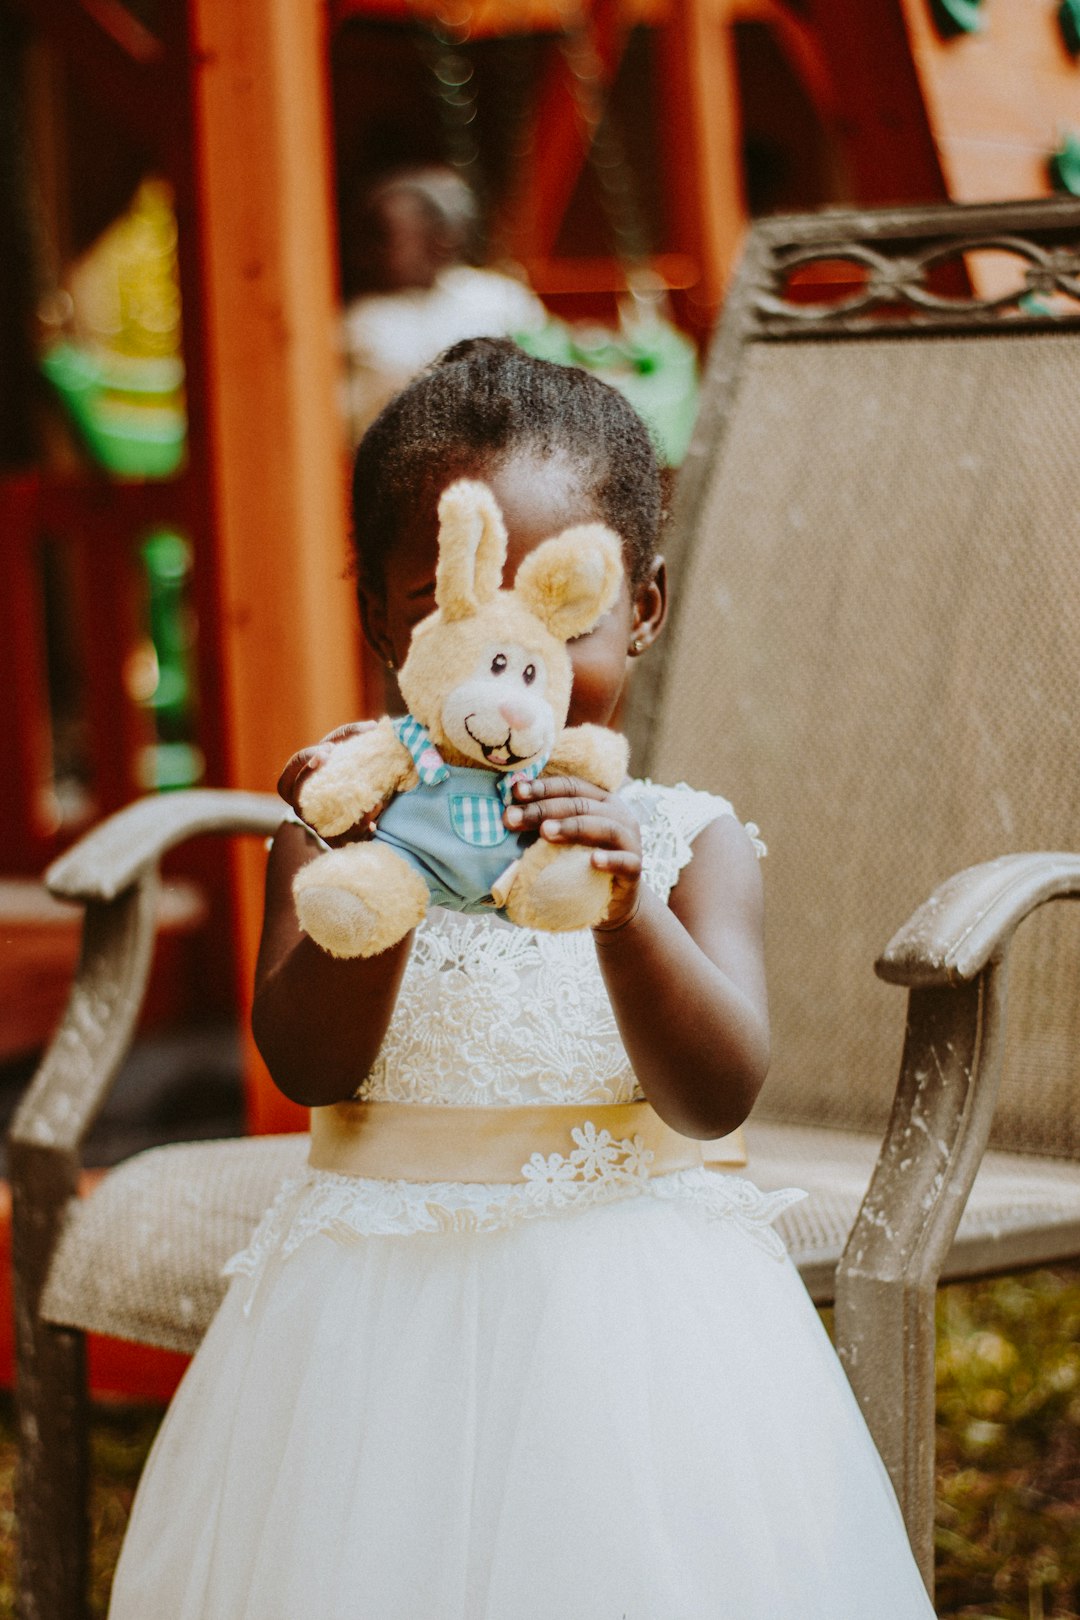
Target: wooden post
[702,145]
[558,137]
[889,144]
[289,636]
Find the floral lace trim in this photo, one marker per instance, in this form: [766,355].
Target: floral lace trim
[671,818]
[600,1169]
[725,1197]
[753,832]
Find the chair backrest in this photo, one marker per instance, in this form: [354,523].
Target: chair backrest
[875,648]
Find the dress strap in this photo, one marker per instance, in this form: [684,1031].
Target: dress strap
[671,818]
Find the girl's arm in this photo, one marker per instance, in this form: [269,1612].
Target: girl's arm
[318,1021]
[687,985]
[686,980]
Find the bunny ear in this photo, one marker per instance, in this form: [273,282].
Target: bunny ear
[571,581]
[472,549]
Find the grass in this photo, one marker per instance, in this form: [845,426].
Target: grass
[1008,1515]
[120,1437]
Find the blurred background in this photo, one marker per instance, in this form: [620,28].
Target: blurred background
[227,233]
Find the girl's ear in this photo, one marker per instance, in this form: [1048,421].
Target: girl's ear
[472,549]
[650,609]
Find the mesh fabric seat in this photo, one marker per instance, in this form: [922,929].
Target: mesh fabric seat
[141,1257]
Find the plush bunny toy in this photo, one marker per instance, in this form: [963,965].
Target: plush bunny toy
[487,681]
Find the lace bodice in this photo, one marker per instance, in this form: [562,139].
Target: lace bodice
[492,1014]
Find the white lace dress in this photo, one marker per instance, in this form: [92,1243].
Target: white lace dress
[588,1395]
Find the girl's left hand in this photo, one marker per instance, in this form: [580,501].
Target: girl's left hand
[569,810]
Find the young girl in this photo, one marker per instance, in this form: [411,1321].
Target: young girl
[581,1385]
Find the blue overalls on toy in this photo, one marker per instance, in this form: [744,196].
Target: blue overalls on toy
[450,828]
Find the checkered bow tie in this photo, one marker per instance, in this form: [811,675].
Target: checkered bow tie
[432,768]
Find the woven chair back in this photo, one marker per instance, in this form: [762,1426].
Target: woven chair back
[876,656]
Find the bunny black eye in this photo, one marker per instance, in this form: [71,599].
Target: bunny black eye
[498,663]
[528,674]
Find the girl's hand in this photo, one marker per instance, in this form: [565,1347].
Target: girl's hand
[569,810]
[299,768]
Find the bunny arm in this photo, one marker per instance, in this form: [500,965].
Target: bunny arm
[360,775]
[593,752]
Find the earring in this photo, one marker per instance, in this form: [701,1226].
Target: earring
[637,646]
[391,666]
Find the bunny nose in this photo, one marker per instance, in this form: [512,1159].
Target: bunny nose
[515,715]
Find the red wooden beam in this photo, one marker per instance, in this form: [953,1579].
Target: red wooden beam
[115,20]
[109,628]
[801,44]
[891,152]
[269,302]
[484,19]
[557,277]
[700,117]
[23,677]
[124,66]
[559,131]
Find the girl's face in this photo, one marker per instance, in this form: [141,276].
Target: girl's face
[538,496]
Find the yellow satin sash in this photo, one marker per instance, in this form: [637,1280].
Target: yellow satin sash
[388,1141]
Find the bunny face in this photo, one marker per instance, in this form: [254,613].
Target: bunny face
[488,673]
[493,689]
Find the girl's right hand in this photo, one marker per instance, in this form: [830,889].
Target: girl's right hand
[299,767]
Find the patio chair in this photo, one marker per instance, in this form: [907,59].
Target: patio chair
[875,653]
[876,656]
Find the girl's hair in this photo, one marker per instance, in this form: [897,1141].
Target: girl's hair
[486,398]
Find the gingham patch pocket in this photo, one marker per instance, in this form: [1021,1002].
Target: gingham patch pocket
[477,820]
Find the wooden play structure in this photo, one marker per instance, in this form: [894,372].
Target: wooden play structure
[260,497]
[699,112]
[261,119]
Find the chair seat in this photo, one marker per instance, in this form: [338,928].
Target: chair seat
[141,1256]
[1023,1210]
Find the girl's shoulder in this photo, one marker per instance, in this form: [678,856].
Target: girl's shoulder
[671,818]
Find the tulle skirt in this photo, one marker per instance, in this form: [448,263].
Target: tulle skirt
[625,1413]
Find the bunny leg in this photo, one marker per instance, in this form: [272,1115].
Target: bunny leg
[558,889]
[359,900]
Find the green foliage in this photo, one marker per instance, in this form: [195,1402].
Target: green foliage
[120,1438]
[7,1511]
[1008,1448]
[958,16]
[1064,164]
[119,1441]
[1068,16]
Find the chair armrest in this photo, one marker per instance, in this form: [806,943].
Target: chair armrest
[111,857]
[970,918]
[951,954]
[113,871]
